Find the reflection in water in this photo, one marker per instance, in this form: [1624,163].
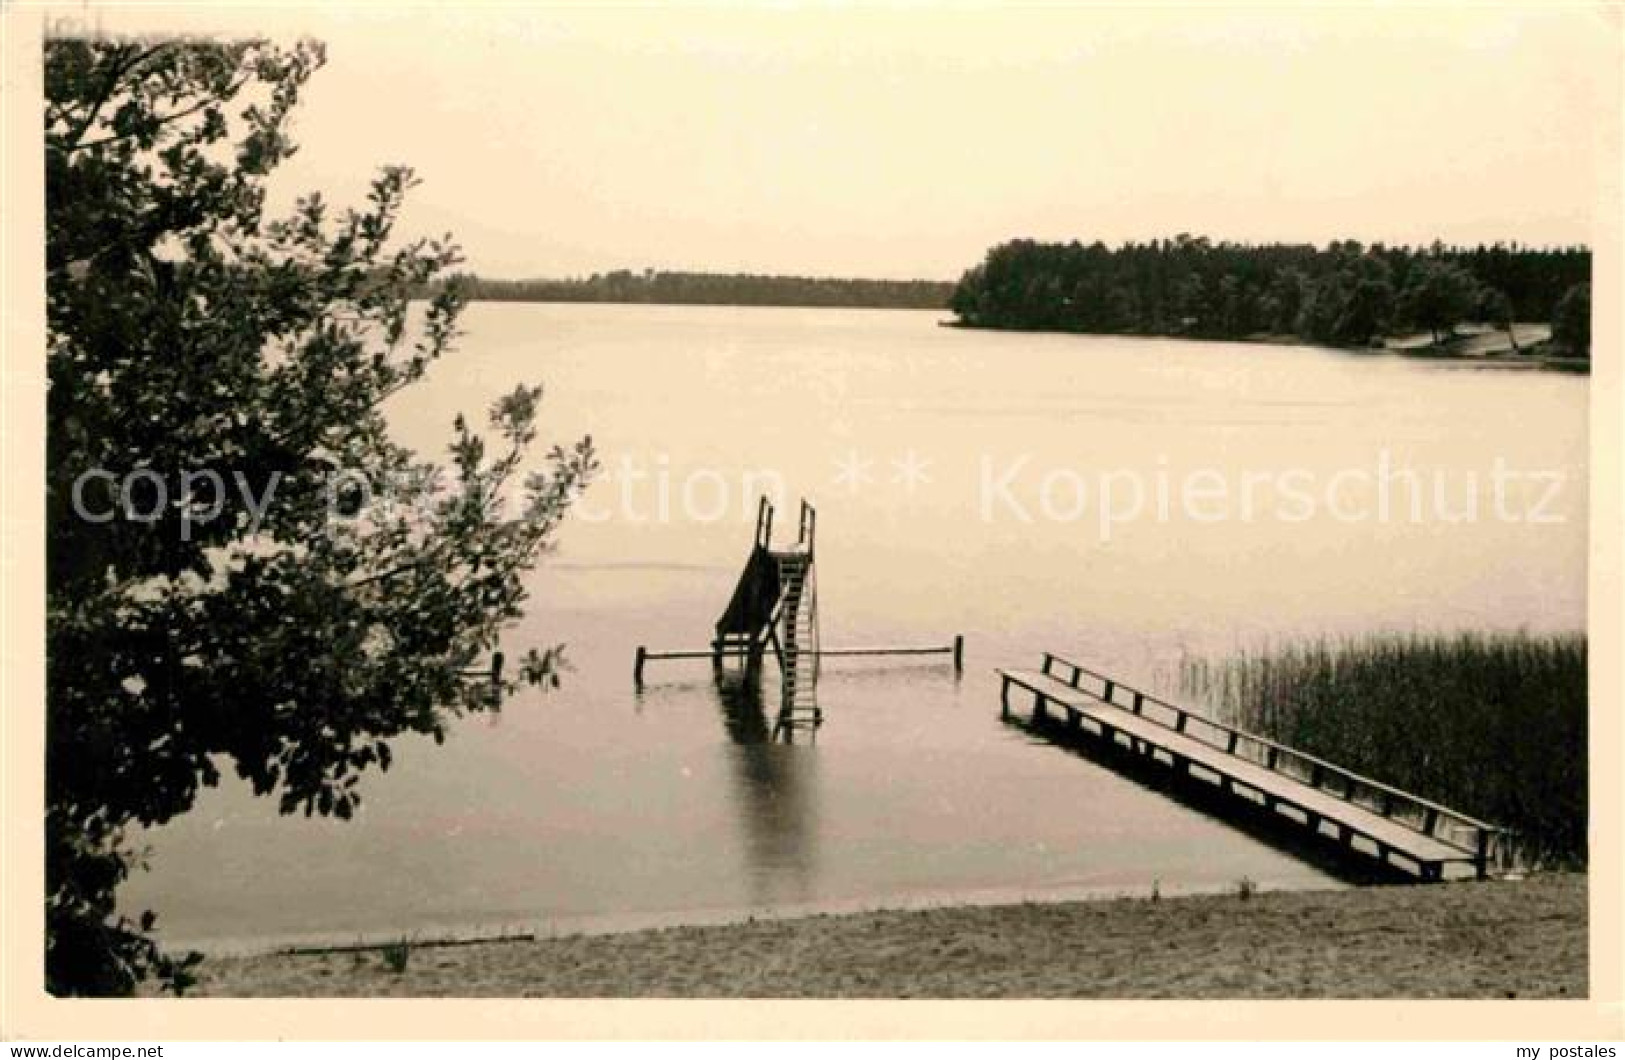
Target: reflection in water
[743,715]
[775,794]
[1211,801]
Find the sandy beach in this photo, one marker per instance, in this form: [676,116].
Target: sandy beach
[1500,939]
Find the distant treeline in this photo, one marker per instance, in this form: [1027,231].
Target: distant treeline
[1345,294]
[705,288]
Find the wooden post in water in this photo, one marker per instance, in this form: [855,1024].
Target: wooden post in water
[637,665]
[959,653]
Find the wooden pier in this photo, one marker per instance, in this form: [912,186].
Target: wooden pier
[1363,816]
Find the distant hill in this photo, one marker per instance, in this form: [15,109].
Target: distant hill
[706,288]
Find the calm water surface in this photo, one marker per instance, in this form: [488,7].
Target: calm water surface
[599,807]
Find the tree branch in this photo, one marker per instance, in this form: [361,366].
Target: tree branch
[117,74]
[231,91]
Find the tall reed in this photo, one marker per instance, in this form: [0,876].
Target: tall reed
[1493,725]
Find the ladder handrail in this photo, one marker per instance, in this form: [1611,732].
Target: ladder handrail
[810,586]
[764,522]
[795,632]
[809,525]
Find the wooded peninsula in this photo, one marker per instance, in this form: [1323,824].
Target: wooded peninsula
[1344,295]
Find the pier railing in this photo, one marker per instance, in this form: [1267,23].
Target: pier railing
[1430,819]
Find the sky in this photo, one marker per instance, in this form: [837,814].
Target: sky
[903,142]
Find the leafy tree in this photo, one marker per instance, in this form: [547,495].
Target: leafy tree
[1370,306]
[1496,308]
[1284,300]
[1351,304]
[1322,307]
[1571,323]
[967,297]
[1437,296]
[269,622]
[1191,304]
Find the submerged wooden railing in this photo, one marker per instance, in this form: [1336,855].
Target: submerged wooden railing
[1476,840]
[954,651]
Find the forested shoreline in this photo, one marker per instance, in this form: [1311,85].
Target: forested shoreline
[705,288]
[1347,294]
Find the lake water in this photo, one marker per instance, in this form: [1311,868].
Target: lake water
[958,477]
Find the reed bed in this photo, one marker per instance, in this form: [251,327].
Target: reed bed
[1493,725]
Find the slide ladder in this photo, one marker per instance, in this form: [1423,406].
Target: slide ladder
[776,603]
[796,631]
